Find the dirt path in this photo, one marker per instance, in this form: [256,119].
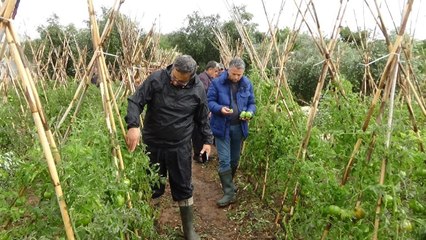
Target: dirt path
[211,222]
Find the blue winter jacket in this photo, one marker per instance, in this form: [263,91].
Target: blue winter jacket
[219,95]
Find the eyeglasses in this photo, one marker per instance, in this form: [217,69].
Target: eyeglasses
[177,82]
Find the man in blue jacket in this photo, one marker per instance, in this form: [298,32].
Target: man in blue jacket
[228,97]
[176,101]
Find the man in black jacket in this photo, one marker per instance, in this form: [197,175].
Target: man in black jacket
[176,101]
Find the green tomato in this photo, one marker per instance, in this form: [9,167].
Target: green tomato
[126,182]
[346,214]
[249,115]
[334,210]
[359,213]
[119,200]
[286,209]
[406,225]
[47,194]
[387,199]
[416,206]
[84,220]
[243,114]
[420,173]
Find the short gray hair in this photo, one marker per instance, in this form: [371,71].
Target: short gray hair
[212,64]
[237,63]
[185,64]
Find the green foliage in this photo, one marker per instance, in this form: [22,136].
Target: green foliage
[419,63]
[230,29]
[53,36]
[96,199]
[351,66]
[304,69]
[15,133]
[354,38]
[197,38]
[273,145]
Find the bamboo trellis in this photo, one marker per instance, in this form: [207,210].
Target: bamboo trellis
[8,9]
[84,83]
[105,84]
[386,84]
[393,69]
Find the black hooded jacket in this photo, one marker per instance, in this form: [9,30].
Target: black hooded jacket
[171,111]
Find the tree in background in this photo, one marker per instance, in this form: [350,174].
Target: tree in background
[303,69]
[230,29]
[197,38]
[52,36]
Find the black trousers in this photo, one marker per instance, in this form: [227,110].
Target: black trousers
[176,163]
[197,142]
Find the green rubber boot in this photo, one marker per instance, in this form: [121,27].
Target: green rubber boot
[228,189]
[187,217]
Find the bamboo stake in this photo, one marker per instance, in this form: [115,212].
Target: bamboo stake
[265,178]
[81,87]
[95,56]
[43,118]
[385,159]
[328,67]
[30,95]
[390,62]
[391,65]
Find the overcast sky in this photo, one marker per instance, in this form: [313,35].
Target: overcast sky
[170,15]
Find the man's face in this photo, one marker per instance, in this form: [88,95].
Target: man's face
[179,79]
[235,74]
[213,72]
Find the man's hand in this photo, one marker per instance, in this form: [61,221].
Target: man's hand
[226,111]
[132,138]
[206,149]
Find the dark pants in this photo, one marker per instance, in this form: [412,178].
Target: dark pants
[197,142]
[176,162]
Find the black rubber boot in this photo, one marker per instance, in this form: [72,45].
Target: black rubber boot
[234,171]
[228,189]
[187,217]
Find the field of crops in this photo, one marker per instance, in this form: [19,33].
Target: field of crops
[351,165]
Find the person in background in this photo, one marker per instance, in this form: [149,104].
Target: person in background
[206,77]
[232,103]
[95,77]
[221,69]
[176,102]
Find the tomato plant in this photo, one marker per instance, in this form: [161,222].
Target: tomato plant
[273,146]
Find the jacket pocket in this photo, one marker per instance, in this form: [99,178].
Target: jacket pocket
[217,125]
[243,100]
[245,94]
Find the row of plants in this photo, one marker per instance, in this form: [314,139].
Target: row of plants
[97,198]
[308,194]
